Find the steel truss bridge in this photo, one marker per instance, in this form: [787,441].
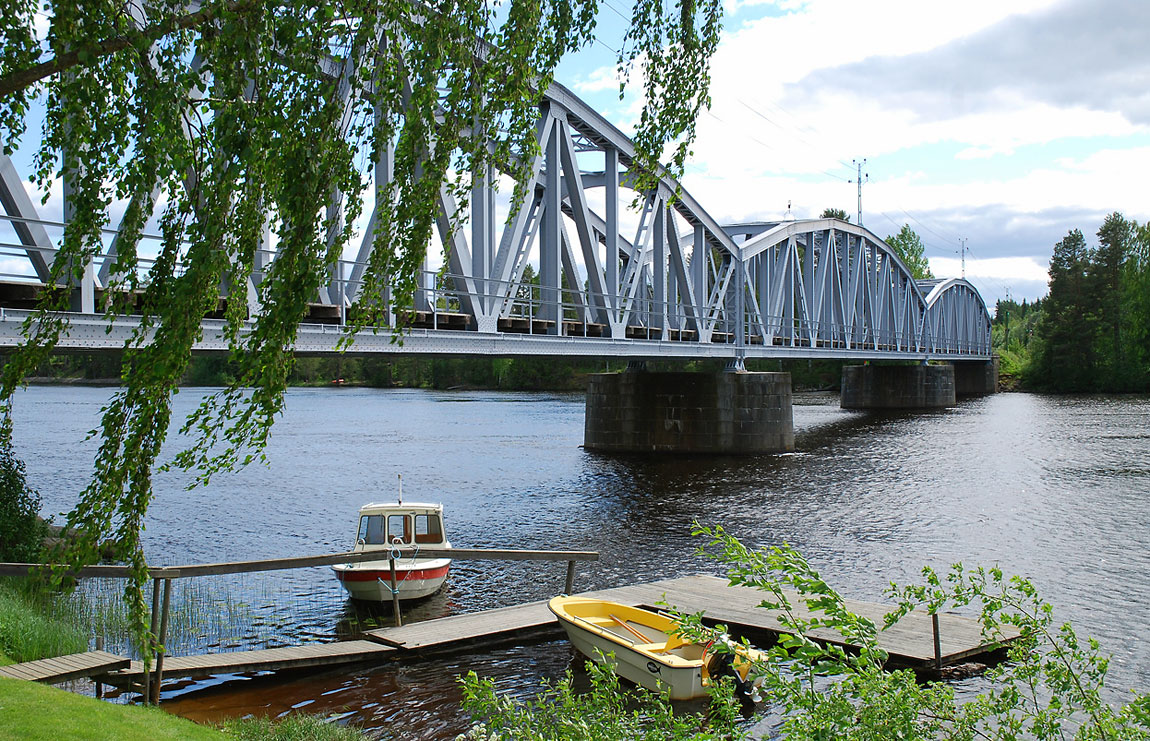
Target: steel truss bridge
[620,273]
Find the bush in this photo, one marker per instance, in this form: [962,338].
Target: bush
[606,713]
[21,530]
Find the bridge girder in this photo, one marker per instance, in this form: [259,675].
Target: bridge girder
[661,271]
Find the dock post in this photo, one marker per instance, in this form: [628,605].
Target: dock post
[395,595]
[99,684]
[937,641]
[161,639]
[152,636]
[570,578]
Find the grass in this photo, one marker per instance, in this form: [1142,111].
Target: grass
[291,728]
[28,631]
[34,711]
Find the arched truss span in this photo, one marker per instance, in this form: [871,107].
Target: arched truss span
[958,318]
[622,269]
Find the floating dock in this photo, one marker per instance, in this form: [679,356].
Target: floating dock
[910,642]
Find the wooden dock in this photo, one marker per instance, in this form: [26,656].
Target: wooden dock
[265,659]
[64,668]
[909,642]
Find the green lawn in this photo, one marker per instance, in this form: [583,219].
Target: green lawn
[34,711]
[29,710]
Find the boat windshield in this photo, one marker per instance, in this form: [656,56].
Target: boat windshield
[387,529]
[428,529]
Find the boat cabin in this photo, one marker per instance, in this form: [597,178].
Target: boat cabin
[408,524]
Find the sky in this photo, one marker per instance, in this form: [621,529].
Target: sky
[995,124]
[999,123]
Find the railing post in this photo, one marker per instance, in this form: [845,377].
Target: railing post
[161,639]
[570,584]
[99,684]
[152,637]
[937,641]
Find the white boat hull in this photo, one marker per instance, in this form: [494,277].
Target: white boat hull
[370,581]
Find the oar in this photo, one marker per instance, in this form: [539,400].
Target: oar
[642,638]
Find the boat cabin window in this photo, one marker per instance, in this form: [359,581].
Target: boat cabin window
[371,530]
[428,529]
[399,526]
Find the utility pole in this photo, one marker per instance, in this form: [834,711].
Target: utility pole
[962,242]
[860,178]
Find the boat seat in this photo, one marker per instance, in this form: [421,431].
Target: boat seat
[602,622]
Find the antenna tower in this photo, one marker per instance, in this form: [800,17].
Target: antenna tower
[860,178]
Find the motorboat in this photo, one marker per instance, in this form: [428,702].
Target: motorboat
[647,648]
[386,527]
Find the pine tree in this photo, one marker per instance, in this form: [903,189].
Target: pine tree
[1065,361]
[1107,266]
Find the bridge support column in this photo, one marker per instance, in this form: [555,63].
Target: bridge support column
[976,377]
[897,387]
[724,413]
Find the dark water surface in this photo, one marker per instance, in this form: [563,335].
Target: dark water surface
[1056,489]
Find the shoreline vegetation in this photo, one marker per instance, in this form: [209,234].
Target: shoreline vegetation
[488,374]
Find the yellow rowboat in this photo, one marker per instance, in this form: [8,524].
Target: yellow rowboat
[648,650]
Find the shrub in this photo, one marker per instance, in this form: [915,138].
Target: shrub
[21,530]
[606,713]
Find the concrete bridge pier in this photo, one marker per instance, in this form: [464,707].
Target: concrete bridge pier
[898,387]
[736,413]
[976,377]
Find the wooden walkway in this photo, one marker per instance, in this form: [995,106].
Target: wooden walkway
[909,642]
[63,668]
[266,659]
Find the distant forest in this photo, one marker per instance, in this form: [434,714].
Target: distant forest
[1091,333]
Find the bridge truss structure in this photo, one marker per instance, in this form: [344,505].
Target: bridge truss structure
[618,273]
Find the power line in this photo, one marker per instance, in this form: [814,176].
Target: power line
[927,228]
[779,126]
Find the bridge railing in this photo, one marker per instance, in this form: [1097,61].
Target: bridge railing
[450,301]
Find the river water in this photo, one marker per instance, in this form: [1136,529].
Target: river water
[1053,488]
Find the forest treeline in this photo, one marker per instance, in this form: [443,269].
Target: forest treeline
[1091,333]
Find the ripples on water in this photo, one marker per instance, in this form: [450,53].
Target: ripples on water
[1052,488]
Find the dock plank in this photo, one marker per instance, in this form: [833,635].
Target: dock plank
[266,659]
[64,668]
[471,627]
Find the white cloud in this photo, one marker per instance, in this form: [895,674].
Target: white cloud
[1002,269]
